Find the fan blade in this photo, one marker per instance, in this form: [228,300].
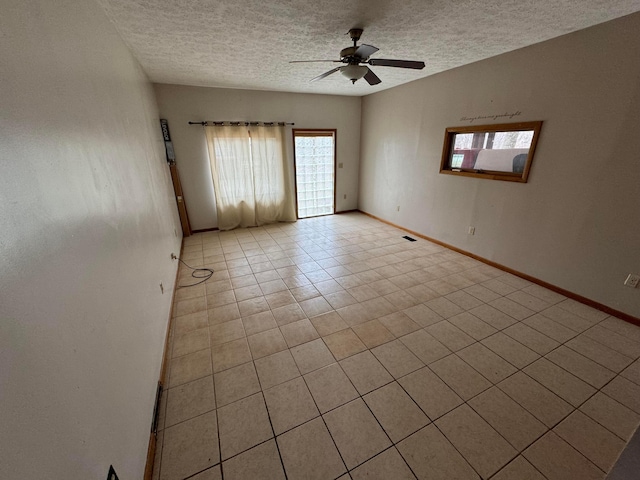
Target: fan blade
[365,51]
[396,63]
[325,74]
[313,61]
[372,78]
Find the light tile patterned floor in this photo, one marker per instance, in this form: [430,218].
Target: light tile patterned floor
[334,348]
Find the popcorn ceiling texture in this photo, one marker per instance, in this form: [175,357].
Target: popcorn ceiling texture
[248,44]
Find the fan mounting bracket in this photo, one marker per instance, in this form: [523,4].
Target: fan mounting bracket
[355,34]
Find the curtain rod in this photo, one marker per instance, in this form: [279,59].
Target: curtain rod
[266,124]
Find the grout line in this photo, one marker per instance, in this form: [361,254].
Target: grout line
[513,460]
[215,399]
[456,448]
[275,437]
[321,415]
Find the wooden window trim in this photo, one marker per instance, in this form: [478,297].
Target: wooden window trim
[450,133]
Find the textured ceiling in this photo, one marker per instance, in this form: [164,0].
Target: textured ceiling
[248,43]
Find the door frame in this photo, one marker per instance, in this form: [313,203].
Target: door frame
[316,132]
[182,206]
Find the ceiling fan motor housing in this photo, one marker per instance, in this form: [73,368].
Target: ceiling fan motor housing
[355,34]
[349,54]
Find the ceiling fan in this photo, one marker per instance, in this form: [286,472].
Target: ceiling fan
[355,56]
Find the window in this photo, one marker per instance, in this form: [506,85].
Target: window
[498,152]
[250,175]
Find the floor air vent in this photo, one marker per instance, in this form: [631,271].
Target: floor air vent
[407,237]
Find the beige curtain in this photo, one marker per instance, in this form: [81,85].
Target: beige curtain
[250,176]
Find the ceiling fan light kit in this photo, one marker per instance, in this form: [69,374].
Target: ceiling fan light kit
[355,56]
[354,72]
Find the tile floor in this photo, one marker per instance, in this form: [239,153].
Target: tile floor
[333,349]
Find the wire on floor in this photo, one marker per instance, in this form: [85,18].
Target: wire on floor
[203,273]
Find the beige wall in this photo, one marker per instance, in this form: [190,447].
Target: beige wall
[180,104]
[575,223]
[88,220]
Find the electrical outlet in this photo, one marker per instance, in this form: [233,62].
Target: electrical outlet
[345,196]
[471,230]
[632,280]
[340,165]
[161,288]
[173,256]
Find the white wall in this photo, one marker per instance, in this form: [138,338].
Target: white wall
[575,223]
[88,219]
[181,104]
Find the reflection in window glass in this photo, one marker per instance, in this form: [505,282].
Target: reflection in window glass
[477,151]
[456,160]
[463,140]
[513,139]
[494,140]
